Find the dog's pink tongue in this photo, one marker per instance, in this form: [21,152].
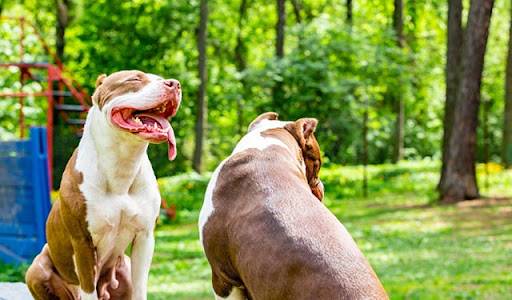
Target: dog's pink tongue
[171,141]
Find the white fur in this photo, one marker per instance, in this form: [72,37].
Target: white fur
[86,296]
[120,188]
[236,294]
[254,139]
[207,208]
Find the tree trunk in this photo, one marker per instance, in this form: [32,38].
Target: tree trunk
[281,22]
[452,73]
[398,25]
[507,126]
[296,10]
[202,106]
[350,19]
[241,64]
[277,90]
[62,23]
[459,182]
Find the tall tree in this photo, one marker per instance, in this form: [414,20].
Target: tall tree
[507,126]
[452,73]
[63,18]
[241,63]
[349,12]
[296,10]
[202,106]
[277,90]
[459,181]
[281,22]
[398,25]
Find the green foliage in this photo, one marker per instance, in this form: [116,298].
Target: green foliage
[185,191]
[10,273]
[330,71]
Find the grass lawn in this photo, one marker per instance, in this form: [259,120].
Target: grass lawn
[419,250]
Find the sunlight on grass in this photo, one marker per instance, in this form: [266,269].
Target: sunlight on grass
[420,250]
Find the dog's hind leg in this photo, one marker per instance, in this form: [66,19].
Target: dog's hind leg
[225,290]
[116,283]
[43,281]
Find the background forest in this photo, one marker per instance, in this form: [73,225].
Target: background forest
[336,61]
[389,82]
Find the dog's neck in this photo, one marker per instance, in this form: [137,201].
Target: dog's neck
[115,156]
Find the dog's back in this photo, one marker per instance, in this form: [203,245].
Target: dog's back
[271,236]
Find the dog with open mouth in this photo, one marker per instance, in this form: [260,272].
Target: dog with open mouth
[109,197]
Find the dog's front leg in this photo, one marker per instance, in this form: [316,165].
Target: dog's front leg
[142,252]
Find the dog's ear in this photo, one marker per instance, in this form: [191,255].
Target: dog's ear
[302,129]
[264,116]
[100,79]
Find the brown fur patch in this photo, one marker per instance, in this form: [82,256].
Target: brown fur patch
[302,141]
[67,232]
[117,84]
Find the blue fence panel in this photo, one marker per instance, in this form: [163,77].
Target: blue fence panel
[24,197]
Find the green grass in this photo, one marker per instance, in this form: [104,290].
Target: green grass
[420,250]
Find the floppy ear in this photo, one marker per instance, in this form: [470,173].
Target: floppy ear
[302,129]
[100,79]
[96,95]
[264,116]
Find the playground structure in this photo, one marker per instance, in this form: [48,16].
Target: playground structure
[56,87]
[26,164]
[24,196]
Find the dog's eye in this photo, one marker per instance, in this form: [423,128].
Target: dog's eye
[134,79]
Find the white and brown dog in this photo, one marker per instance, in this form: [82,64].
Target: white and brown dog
[109,197]
[266,235]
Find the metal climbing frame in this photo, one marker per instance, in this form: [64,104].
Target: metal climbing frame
[59,85]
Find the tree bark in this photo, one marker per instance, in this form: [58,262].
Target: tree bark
[281,22]
[452,72]
[296,10]
[398,25]
[350,19]
[459,182]
[507,126]
[202,106]
[277,90]
[62,23]
[241,64]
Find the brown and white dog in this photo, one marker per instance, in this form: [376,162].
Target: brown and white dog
[109,197]
[266,235]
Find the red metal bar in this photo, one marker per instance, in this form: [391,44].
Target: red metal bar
[56,76]
[49,124]
[22,118]
[23,94]
[25,65]
[21,115]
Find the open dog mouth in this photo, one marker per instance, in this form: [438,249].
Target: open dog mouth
[150,123]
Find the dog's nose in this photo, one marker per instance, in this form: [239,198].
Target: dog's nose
[172,83]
